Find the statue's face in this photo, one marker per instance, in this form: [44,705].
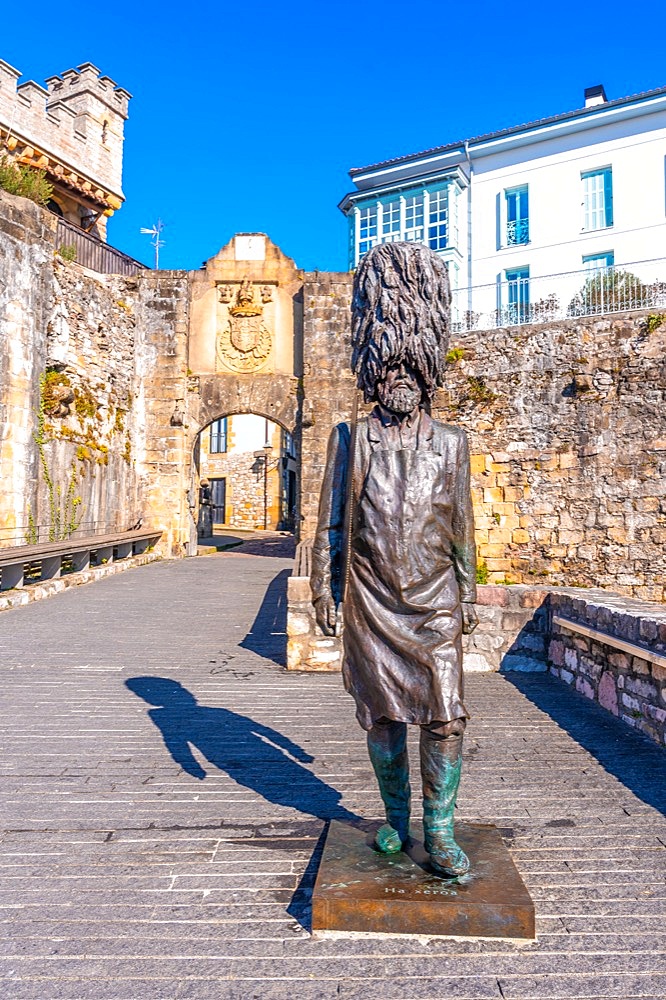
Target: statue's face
[400,391]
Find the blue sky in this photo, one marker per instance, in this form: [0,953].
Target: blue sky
[247,116]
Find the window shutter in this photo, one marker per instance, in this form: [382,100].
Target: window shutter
[608,196]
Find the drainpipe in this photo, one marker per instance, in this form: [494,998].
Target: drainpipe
[469,228]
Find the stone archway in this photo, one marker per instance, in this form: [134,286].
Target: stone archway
[248,333]
[245,472]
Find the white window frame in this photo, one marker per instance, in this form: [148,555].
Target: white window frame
[515,189]
[597,204]
[385,208]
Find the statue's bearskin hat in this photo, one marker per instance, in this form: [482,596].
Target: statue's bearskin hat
[400,312]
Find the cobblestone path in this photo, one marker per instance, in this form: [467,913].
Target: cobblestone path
[158,846]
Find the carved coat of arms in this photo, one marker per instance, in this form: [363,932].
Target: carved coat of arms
[244,344]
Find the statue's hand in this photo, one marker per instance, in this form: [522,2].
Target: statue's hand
[470,619]
[325,613]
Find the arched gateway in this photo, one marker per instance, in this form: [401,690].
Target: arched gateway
[249,333]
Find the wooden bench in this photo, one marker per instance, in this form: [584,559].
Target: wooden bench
[81,553]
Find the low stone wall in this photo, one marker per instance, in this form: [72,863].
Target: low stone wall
[512,632]
[307,647]
[612,649]
[47,588]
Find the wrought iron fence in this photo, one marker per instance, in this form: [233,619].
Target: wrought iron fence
[74,244]
[589,292]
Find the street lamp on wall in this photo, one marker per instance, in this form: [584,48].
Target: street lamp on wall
[263,458]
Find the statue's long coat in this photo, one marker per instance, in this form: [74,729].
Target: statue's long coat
[412,561]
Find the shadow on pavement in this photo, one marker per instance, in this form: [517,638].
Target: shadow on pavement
[254,755]
[633,758]
[268,633]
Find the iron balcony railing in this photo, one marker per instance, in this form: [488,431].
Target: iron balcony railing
[517,232]
[74,244]
[541,299]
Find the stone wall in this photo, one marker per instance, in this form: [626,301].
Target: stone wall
[567,427]
[84,365]
[68,392]
[26,252]
[620,662]
[567,423]
[610,648]
[567,420]
[512,634]
[327,380]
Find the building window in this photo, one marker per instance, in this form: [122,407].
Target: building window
[597,199]
[518,295]
[414,216]
[218,436]
[517,216]
[596,262]
[423,215]
[438,219]
[390,221]
[367,229]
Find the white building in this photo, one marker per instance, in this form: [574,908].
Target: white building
[528,217]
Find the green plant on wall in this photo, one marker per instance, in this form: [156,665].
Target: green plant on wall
[454,355]
[68,251]
[25,181]
[65,506]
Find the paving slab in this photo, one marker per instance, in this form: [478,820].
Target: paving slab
[165,785]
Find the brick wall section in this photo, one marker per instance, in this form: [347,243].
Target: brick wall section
[630,686]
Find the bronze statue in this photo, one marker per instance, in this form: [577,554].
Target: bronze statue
[405,523]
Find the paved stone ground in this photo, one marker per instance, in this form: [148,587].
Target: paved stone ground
[171,855]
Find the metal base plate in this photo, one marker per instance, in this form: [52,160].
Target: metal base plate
[359,889]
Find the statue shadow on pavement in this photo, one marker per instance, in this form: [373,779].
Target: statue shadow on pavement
[634,759]
[268,633]
[253,754]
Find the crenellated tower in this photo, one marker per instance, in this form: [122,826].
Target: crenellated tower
[74,130]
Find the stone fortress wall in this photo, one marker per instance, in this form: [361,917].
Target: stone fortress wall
[567,428]
[69,388]
[567,420]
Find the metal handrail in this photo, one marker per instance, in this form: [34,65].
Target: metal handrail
[534,298]
[92,253]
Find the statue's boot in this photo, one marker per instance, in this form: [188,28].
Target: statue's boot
[387,746]
[441,763]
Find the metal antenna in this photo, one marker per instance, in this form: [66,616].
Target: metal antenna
[155,232]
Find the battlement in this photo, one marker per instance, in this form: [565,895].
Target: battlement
[73,84]
[73,128]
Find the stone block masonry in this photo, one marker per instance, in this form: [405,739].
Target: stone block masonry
[566,420]
[77,121]
[567,424]
[567,428]
[512,634]
[612,650]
